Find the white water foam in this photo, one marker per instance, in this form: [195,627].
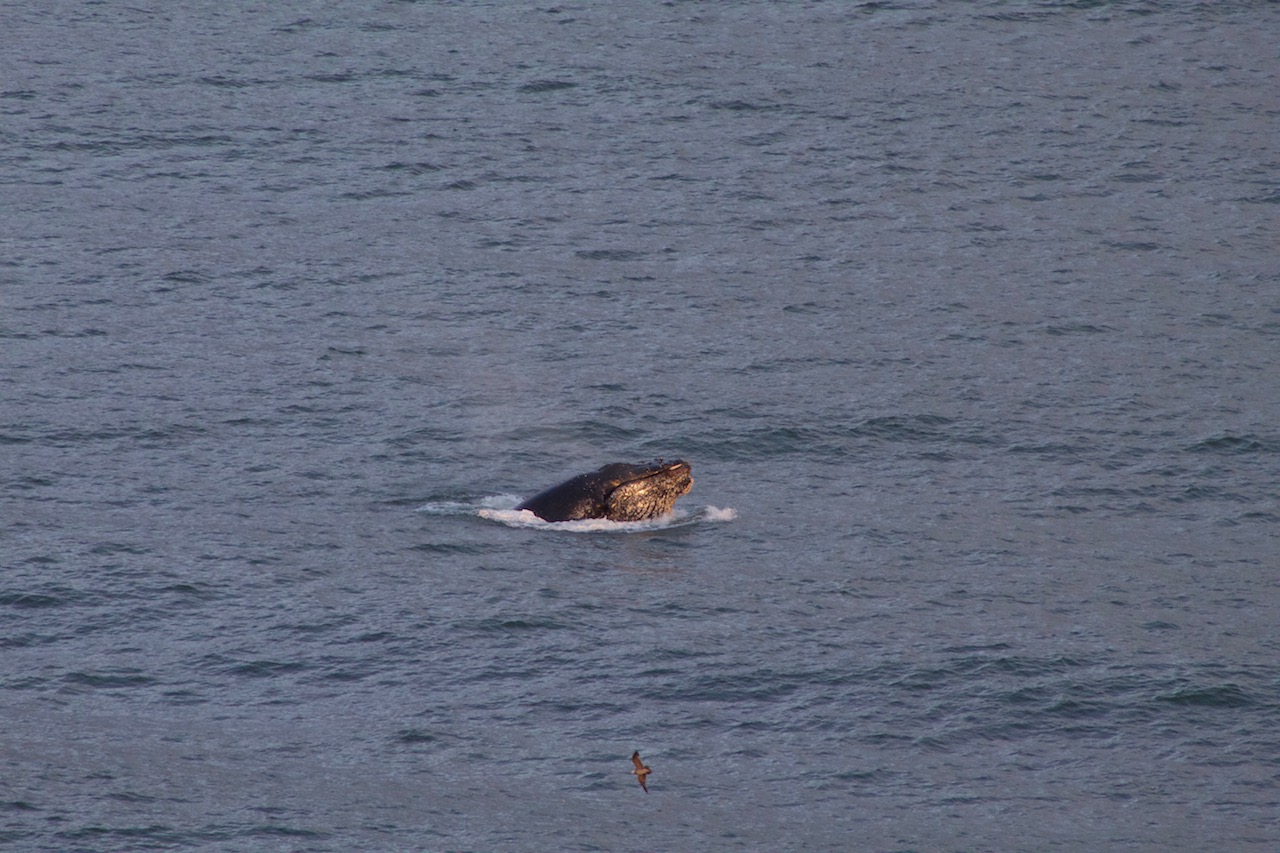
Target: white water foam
[493,502]
[715,513]
[501,508]
[525,519]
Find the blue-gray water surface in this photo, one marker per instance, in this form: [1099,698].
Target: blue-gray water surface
[967,317]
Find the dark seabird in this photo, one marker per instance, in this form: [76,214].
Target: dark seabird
[642,770]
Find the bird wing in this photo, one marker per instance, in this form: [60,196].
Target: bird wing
[635,759]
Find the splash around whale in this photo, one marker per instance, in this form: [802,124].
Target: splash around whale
[618,491]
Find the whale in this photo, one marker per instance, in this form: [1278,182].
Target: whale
[619,491]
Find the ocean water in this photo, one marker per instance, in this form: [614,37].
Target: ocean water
[967,317]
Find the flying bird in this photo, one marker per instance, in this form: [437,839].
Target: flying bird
[642,770]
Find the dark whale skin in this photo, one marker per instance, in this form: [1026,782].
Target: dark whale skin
[618,491]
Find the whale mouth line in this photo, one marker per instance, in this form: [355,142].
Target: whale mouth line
[662,472]
[661,469]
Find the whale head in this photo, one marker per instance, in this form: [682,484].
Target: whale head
[645,491]
[619,491]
